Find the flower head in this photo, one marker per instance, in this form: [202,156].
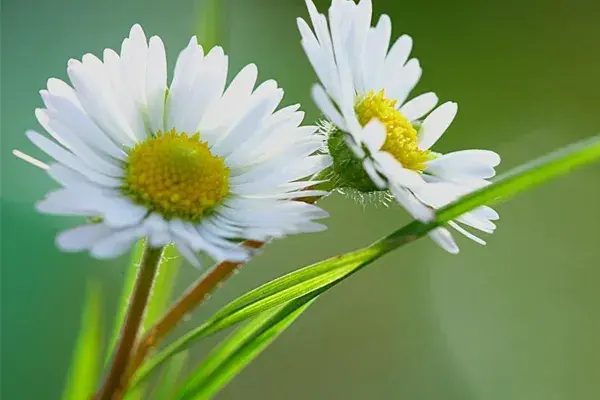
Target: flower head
[198,163]
[378,141]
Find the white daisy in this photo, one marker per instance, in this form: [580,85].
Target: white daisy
[198,163]
[379,141]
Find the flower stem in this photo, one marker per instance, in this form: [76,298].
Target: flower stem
[192,297]
[110,390]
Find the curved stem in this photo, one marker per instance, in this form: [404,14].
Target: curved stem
[137,305]
[192,297]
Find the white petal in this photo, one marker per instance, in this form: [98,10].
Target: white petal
[247,126]
[97,161]
[408,200]
[64,157]
[71,114]
[465,164]
[82,237]
[419,106]
[397,57]
[67,176]
[124,98]
[394,171]
[373,174]
[207,89]
[378,41]
[326,106]
[298,194]
[117,243]
[134,55]
[444,239]
[93,87]
[486,212]
[476,222]
[121,212]
[27,158]
[86,202]
[399,86]
[355,145]
[188,254]
[234,101]
[61,89]
[373,135]
[156,83]
[361,25]
[467,233]
[184,77]
[435,124]
[157,230]
[320,58]
[186,231]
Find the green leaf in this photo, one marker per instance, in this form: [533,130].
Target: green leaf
[211,27]
[325,274]
[241,347]
[167,384]
[84,370]
[279,291]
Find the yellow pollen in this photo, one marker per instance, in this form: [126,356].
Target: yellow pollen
[401,140]
[176,175]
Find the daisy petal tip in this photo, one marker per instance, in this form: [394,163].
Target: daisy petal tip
[42,207]
[135,28]
[72,64]
[385,19]
[428,216]
[31,160]
[451,107]
[68,241]
[253,68]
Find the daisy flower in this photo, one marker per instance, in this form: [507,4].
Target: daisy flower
[377,139]
[199,164]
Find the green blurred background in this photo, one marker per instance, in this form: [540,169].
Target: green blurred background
[518,319]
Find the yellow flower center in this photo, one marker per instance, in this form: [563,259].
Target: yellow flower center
[401,141]
[176,175]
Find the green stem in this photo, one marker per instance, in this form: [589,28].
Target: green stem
[111,389]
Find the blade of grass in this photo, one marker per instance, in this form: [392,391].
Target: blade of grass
[211,29]
[167,385]
[239,349]
[84,370]
[327,273]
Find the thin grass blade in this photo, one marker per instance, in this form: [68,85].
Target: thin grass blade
[84,370]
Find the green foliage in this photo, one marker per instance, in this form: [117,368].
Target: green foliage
[311,281]
[210,31]
[237,350]
[85,367]
[168,381]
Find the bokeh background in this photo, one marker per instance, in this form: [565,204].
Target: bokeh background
[518,319]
